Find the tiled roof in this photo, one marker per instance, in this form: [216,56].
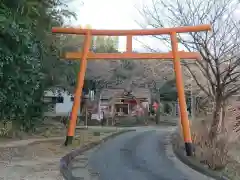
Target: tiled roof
[137,92]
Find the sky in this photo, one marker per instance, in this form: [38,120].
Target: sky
[116,14]
[110,14]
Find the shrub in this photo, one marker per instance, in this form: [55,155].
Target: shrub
[213,153]
[231,125]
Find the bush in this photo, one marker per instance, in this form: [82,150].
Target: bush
[213,153]
[231,125]
[3,132]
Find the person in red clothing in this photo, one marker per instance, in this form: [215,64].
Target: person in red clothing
[155,106]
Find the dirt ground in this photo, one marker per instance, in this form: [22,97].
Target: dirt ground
[40,160]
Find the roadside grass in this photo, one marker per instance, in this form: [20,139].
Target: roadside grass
[221,157]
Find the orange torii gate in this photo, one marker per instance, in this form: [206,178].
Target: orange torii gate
[174,54]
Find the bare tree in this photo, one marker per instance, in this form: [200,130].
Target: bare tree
[219,48]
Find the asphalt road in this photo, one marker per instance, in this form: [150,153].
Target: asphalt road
[142,155]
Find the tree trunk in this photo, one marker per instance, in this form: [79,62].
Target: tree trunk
[223,128]
[214,131]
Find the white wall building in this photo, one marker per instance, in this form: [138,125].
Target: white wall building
[60,102]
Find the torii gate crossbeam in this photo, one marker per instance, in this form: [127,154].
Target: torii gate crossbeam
[174,54]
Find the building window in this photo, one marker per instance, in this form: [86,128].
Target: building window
[58,99]
[47,99]
[53,99]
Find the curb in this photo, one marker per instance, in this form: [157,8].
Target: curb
[180,154]
[167,123]
[25,142]
[65,160]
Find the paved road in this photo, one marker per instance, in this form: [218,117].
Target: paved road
[142,155]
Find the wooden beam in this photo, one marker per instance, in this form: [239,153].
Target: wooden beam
[126,55]
[136,32]
[129,44]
